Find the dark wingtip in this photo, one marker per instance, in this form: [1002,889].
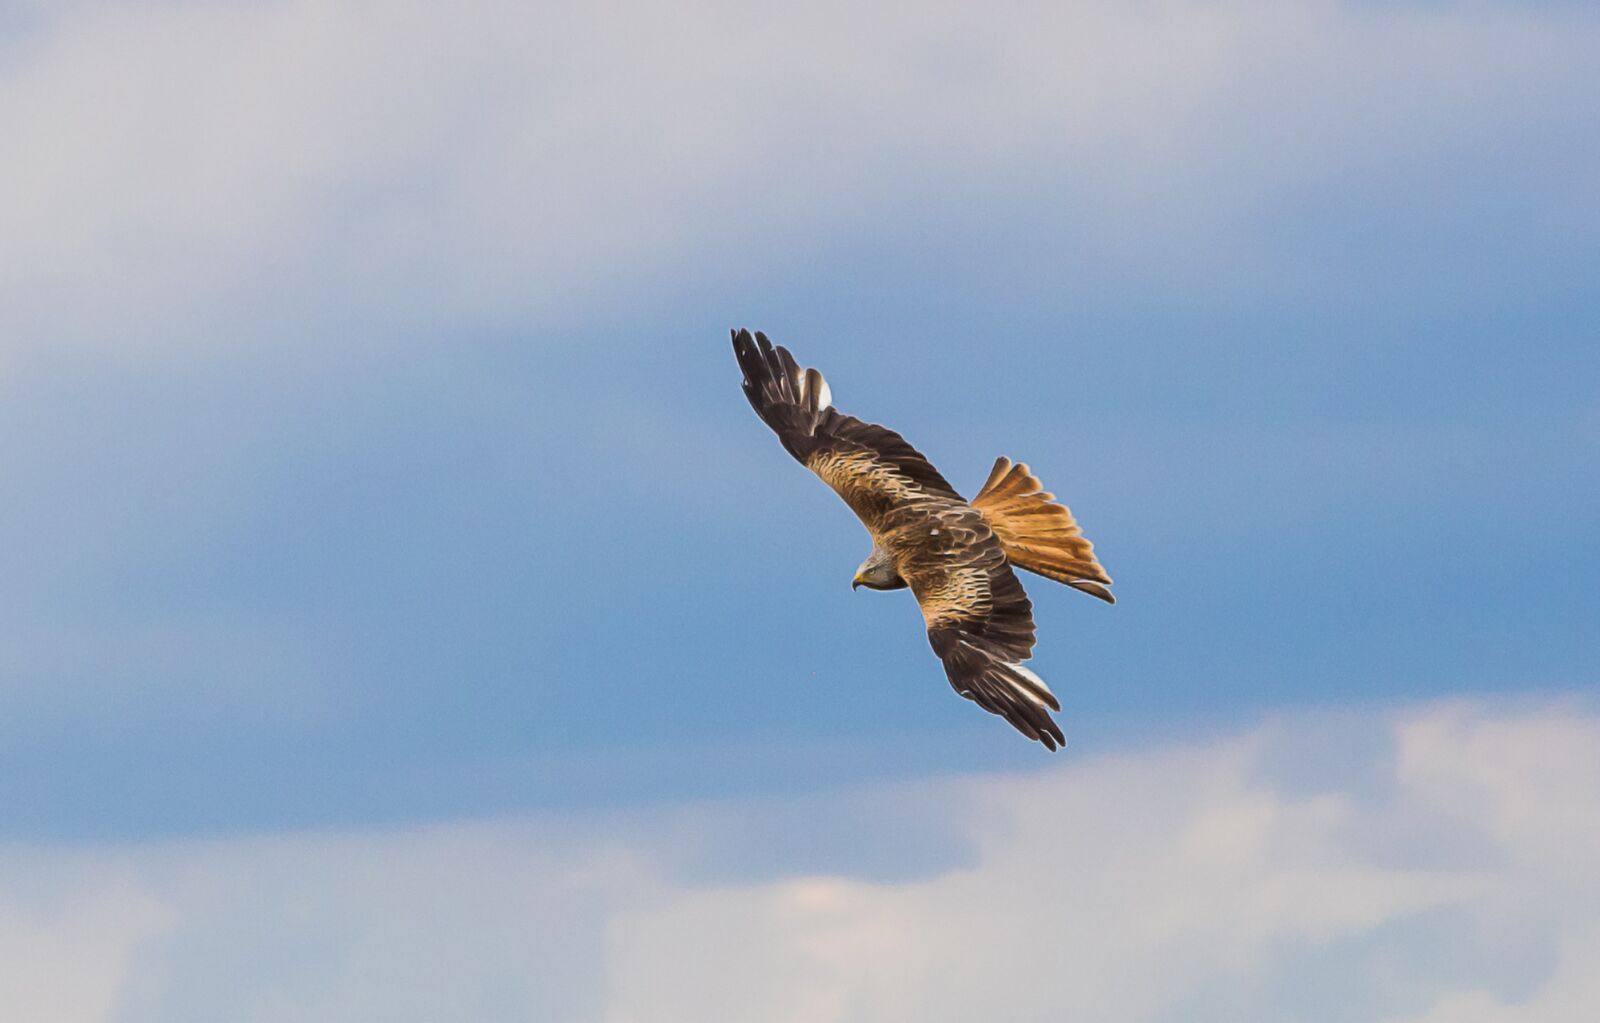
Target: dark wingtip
[1054,739]
[744,350]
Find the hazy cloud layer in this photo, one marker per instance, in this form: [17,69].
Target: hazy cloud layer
[1426,865]
[209,172]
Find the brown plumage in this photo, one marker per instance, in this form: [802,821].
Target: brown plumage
[1037,534]
[956,557]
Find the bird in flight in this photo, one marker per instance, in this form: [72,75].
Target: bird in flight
[955,556]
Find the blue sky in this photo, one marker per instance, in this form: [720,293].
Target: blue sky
[376,458]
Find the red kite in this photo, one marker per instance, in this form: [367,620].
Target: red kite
[956,557]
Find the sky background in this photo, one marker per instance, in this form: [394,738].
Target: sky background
[389,559]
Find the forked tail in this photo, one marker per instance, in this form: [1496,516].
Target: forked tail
[1037,534]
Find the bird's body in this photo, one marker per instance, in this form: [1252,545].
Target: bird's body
[956,557]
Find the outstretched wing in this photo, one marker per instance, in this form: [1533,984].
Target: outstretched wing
[980,621]
[871,467]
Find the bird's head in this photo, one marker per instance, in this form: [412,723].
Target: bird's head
[878,572]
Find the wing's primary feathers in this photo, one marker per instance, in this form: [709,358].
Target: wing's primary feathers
[786,397]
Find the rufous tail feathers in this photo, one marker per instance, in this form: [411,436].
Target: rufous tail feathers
[1037,534]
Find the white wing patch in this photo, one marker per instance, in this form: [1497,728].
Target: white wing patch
[812,389]
[824,395]
[1032,686]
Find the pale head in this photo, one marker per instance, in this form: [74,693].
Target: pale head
[878,572]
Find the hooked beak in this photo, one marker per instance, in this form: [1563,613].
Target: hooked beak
[855,584]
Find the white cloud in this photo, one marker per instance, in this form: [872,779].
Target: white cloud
[66,961]
[208,170]
[1440,868]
